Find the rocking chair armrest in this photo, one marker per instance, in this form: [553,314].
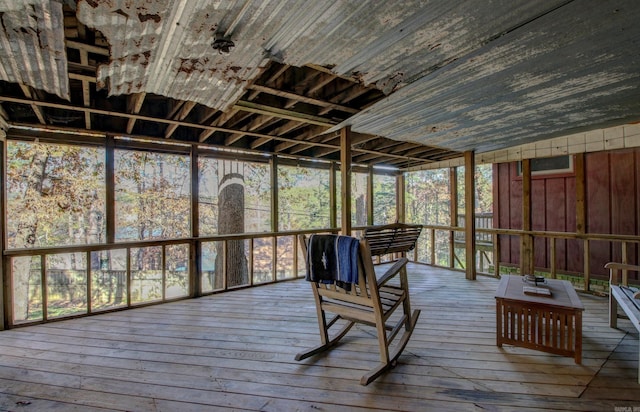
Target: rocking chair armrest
[392,271]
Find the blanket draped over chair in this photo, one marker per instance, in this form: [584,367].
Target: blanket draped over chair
[333,258]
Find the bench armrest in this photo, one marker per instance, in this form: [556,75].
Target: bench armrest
[615,267]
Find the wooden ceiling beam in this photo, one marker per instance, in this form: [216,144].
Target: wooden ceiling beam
[86,91]
[286,128]
[111,113]
[304,138]
[270,80]
[255,124]
[346,97]
[87,47]
[36,108]
[324,151]
[310,143]
[207,114]
[403,147]
[282,113]
[134,104]
[322,83]
[185,109]
[303,99]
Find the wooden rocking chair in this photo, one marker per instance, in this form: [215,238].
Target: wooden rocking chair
[371,302]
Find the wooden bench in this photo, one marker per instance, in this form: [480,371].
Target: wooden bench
[621,296]
[393,238]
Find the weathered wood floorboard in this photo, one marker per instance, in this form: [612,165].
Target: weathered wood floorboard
[235,351]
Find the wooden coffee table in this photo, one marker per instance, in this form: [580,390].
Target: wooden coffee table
[547,323]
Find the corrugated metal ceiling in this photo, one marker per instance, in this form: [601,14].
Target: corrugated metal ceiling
[32,49]
[573,69]
[164,47]
[461,75]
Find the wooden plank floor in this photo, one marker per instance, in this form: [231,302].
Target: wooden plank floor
[236,351]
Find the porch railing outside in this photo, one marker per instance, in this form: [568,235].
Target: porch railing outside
[444,246]
[50,283]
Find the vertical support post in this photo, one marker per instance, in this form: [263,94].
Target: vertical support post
[333,202]
[581,192]
[370,196]
[275,213]
[581,213]
[274,194]
[496,219]
[401,213]
[526,241]
[110,197]
[195,254]
[5,296]
[496,254]
[345,172]
[43,287]
[453,213]
[552,258]
[432,252]
[469,214]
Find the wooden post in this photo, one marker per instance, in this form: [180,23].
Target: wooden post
[275,213]
[400,198]
[581,193]
[495,168]
[526,241]
[453,213]
[370,196]
[333,202]
[581,213]
[469,211]
[110,197]
[496,253]
[274,194]
[345,172]
[552,248]
[195,254]
[4,268]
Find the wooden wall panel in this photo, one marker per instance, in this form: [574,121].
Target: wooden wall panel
[515,212]
[503,218]
[539,220]
[612,203]
[598,208]
[556,218]
[623,184]
[574,251]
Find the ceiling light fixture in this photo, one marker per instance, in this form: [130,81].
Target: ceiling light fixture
[222,44]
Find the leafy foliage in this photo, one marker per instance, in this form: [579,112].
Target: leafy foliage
[55,194]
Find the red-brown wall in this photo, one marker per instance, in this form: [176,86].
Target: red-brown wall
[612,207]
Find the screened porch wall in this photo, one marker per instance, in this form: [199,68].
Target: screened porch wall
[120,223]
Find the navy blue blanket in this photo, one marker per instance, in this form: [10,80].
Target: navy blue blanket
[333,258]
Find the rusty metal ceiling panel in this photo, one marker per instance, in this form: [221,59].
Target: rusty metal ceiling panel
[575,68]
[165,47]
[32,49]
[460,75]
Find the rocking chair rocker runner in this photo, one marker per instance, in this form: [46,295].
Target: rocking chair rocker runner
[370,301]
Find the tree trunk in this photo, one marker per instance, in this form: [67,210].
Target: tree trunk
[231,220]
[361,211]
[26,237]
